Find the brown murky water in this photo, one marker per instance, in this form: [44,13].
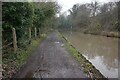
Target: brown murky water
[101,51]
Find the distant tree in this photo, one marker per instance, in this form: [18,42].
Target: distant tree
[94,6]
[44,11]
[94,17]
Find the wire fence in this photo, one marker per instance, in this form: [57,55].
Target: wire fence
[14,38]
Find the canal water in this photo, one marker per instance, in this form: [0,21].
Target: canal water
[101,51]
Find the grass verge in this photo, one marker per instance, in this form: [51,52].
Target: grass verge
[87,66]
[14,61]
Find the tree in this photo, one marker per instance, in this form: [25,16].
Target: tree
[94,17]
[17,15]
[44,11]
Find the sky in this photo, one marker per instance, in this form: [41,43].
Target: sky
[67,4]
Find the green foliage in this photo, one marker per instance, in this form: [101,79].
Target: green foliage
[38,18]
[64,22]
[16,14]
[21,16]
[44,11]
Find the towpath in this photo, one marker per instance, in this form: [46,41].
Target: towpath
[51,60]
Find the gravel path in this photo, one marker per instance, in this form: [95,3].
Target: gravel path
[51,60]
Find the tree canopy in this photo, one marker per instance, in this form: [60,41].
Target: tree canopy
[93,17]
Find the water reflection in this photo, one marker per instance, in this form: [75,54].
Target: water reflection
[100,50]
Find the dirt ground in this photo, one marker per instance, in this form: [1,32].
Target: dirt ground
[51,60]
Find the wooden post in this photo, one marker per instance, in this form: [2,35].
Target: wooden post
[29,33]
[35,33]
[39,31]
[14,40]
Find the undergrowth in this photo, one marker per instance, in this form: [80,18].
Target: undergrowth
[13,61]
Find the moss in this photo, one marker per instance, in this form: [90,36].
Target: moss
[23,55]
[85,64]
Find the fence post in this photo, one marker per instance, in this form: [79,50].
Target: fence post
[14,40]
[35,33]
[29,33]
[39,31]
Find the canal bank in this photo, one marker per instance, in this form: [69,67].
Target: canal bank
[87,66]
[101,51]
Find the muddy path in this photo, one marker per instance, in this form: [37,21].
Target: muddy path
[51,60]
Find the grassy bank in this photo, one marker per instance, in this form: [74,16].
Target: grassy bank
[87,66]
[14,61]
[107,34]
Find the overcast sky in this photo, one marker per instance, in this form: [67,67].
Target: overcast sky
[67,4]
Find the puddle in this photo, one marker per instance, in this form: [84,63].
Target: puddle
[57,42]
[62,45]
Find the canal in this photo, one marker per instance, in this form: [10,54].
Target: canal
[101,51]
